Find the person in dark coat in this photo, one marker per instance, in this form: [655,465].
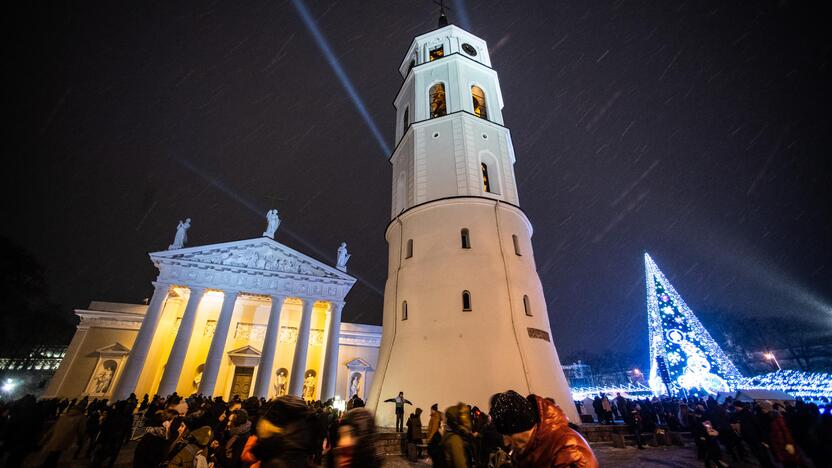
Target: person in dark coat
[750,433]
[457,447]
[414,427]
[67,430]
[155,443]
[115,426]
[285,437]
[228,447]
[354,445]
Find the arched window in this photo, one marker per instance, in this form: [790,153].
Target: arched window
[466,301]
[466,238]
[409,251]
[478,95]
[526,306]
[516,245]
[405,120]
[437,101]
[404,310]
[486,185]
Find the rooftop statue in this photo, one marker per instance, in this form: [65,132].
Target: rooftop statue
[343,257]
[181,235]
[273,223]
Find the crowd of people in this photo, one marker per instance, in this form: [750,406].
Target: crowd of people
[773,434]
[287,431]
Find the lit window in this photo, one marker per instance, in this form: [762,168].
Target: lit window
[466,239]
[409,252]
[437,101]
[404,310]
[486,185]
[466,301]
[436,53]
[526,306]
[478,95]
[516,244]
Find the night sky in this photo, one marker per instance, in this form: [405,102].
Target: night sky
[697,131]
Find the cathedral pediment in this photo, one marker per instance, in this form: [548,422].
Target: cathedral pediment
[262,255]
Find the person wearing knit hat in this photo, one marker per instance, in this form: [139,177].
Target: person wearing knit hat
[538,432]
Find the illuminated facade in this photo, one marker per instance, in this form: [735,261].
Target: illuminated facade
[225,319]
[693,359]
[464,312]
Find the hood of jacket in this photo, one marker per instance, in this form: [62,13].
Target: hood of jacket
[554,443]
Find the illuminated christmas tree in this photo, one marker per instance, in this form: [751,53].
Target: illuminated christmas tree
[695,363]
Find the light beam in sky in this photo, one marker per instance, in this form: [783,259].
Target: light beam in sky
[339,71]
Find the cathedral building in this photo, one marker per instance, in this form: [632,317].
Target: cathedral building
[247,318]
[464,312]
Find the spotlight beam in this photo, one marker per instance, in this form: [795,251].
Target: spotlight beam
[339,71]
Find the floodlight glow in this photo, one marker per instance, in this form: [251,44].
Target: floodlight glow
[316,33]
[9,385]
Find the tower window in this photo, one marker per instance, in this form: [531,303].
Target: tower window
[405,119]
[526,306]
[466,239]
[437,53]
[516,242]
[466,301]
[478,96]
[486,185]
[412,64]
[437,101]
[404,310]
[409,251]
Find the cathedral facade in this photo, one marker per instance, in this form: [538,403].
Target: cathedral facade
[464,312]
[247,318]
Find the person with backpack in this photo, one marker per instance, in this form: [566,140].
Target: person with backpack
[195,453]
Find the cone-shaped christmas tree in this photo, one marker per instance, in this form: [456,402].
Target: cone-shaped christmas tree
[693,360]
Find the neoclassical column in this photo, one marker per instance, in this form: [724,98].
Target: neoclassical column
[264,369]
[176,359]
[331,358]
[135,363]
[301,348]
[215,352]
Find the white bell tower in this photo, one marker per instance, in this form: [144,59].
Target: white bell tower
[464,312]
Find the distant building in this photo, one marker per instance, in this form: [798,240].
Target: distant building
[579,374]
[30,373]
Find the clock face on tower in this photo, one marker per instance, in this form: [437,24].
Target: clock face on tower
[469,49]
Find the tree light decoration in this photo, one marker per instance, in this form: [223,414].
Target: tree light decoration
[633,390]
[694,360]
[815,386]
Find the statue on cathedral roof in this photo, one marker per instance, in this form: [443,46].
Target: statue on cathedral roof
[181,234]
[273,223]
[343,257]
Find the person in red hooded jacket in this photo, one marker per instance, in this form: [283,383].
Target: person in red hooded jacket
[539,433]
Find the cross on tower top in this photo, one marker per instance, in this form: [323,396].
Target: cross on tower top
[443,20]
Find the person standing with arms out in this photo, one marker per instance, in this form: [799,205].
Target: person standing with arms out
[400,401]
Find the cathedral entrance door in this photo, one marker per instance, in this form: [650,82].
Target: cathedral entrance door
[241,384]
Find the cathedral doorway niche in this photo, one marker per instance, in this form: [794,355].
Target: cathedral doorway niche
[241,383]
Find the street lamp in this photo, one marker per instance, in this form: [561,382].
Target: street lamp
[771,357]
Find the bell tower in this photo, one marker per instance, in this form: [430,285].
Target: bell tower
[464,312]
